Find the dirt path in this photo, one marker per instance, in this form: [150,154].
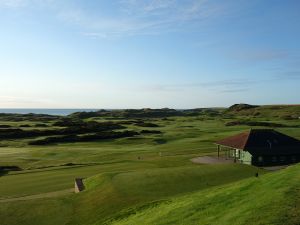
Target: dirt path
[275,168]
[39,196]
[211,160]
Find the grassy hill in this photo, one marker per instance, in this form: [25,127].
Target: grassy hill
[112,195]
[107,196]
[128,177]
[269,199]
[286,112]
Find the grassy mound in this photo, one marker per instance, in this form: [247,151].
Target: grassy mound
[113,195]
[110,196]
[140,174]
[286,112]
[240,107]
[269,199]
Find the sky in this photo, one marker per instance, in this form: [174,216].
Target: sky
[148,53]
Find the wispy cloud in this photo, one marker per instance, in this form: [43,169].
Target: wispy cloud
[237,90]
[258,55]
[234,85]
[231,85]
[288,75]
[128,17]
[132,17]
[13,3]
[17,4]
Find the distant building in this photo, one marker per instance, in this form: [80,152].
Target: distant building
[261,147]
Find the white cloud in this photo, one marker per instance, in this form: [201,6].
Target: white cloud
[21,4]
[126,17]
[132,17]
[13,3]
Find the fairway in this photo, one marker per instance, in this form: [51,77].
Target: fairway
[129,176]
[149,112]
[236,203]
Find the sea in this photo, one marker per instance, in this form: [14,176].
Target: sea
[58,112]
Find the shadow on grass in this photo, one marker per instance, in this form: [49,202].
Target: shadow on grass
[5,169]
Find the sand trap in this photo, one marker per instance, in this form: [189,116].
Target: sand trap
[211,160]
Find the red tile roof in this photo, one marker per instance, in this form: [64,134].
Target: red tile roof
[238,141]
[262,140]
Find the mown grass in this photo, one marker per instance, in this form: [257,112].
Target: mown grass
[111,195]
[124,175]
[270,199]
[131,189]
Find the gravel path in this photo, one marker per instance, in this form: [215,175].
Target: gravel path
[216,160]
[211,160]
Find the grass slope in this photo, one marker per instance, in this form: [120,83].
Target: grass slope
[268,111]
[132,172]
[112,195]
[108,195]
[273,198]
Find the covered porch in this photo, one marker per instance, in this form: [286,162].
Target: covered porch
[237,155]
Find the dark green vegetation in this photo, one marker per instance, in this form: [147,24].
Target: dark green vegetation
[145,176]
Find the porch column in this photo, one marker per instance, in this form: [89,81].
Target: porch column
[234,155]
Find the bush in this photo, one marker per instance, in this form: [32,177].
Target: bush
[254,123]
[143,124]
[41,125]
[151,132]
[240,107]
[5,126]
[82,128]
[83,138]
[24,125]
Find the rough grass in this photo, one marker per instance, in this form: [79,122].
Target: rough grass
[128,175]
[112,195]
[270,199]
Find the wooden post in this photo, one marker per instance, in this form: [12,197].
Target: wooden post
[235,155]
[218,151]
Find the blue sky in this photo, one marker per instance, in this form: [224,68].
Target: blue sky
[152,53]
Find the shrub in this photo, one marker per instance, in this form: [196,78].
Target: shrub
[83,138]
[151,132]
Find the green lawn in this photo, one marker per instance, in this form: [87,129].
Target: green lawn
[270,199]
[133,175]
[108,194]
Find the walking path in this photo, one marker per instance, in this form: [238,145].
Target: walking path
[221,160]
[39,196]
[211,160]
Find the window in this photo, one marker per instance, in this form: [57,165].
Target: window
[242,154]
[260,159]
